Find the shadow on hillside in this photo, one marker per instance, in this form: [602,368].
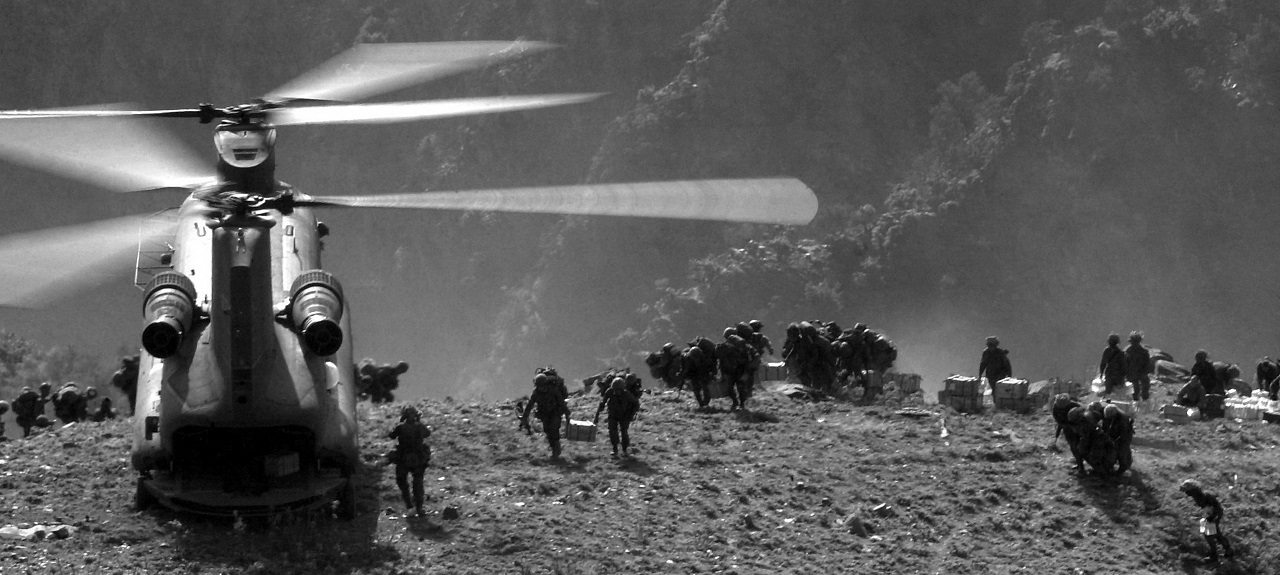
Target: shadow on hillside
[1110,494]
[424,528]
[636,466]
[287,542]
[752,416]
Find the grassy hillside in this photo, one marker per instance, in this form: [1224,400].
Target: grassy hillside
[781,488]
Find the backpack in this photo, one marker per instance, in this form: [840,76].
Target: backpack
[884,352]
[731,355]
[707,346]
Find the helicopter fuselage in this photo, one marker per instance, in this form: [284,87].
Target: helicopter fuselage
[245,416]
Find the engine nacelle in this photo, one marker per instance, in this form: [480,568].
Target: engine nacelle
[169,312]
[316,307]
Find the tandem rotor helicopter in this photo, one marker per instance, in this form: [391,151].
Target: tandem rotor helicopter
[246,398]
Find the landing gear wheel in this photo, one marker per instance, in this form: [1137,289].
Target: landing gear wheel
[346,510]
[143,499]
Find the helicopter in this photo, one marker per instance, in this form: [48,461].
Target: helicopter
[246,396]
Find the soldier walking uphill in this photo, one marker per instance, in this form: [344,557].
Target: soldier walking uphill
[622,405]
[411,456]
[667,365]
[29,406]
[549,400]
[1137,367]
[700,369]
[1210,518]
[1111,368]
[736,357]
[995,363]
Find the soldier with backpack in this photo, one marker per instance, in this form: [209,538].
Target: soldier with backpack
[1119,430]
[29,406]
[548,399]
[69,404]
[411,456]
[1111,368]
[623,406]
[666,365]
[735,357]
[700,369]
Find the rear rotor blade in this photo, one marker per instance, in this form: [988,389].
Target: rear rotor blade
[123,154]
[42,266]
[371,69]
[423,110]
[769,201]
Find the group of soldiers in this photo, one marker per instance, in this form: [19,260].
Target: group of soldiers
[823,356]
[70,405]
[1099,434]
[732,363]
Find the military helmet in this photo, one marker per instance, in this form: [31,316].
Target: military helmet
[1061,400]
[667,346]
[756,325]
[1113,338]
[1135,336]
[4,407]
[1189,485]
[793,329]
[1111,411]
[1092,416]
[728,331]
[42,420]
[859,327]
[541,379]
[694,352]
[1075,415]
[1202,355]
[45,387]
[410,413]
[993,340]
[618,383]
[402,367]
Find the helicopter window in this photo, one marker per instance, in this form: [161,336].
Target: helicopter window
[288,230]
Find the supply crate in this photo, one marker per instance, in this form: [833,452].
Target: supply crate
[963,385]
[1010,388]
[580,431]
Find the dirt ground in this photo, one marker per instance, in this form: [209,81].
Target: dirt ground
[790,486]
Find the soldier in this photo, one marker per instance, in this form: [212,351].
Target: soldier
[821,362]
[853,356]
[1067,413]
[796,354]
[4,408]
[378,382]
[126,379]
[1137,367]
[1203,370]
[1268,372]
[1192,393]
[667,365]
[995,363]
[104,411]
[1111,369]
[1210,518]
[734,355]
[411,456]
[1119,430]
[700,369]
[1224,374]
[69,405]
[622,410]
[551,407]
[758,339]
[25,409]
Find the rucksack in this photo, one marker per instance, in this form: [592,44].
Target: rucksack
[731,355]
[707,346]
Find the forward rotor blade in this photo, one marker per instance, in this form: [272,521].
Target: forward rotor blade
[123,154]
[370,69]
[769,201]
[423,110]
[40,267]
